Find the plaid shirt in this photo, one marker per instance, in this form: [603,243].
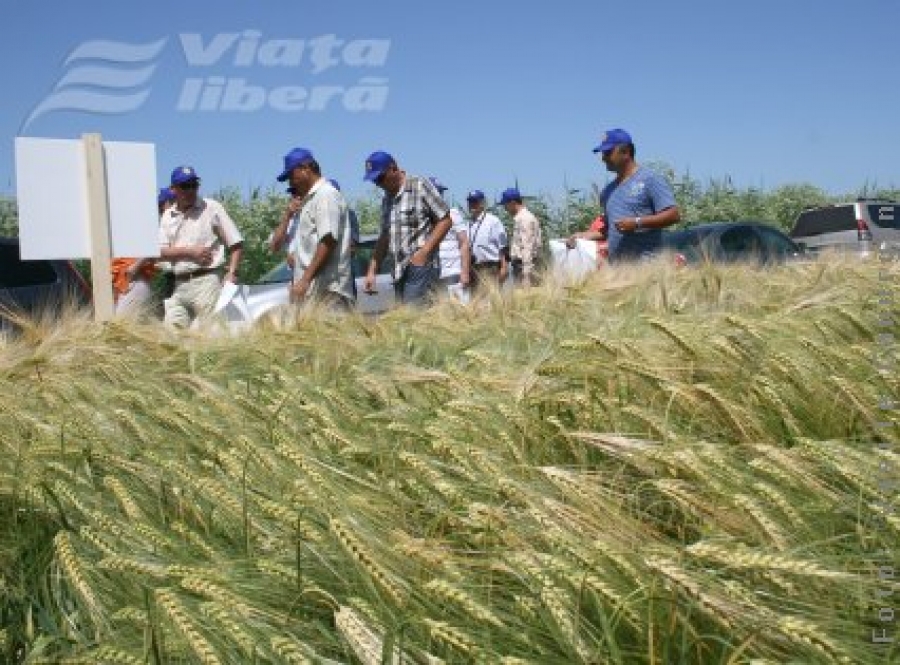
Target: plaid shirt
[409,218]
[526,241]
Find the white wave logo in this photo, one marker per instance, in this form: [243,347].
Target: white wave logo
[103,77]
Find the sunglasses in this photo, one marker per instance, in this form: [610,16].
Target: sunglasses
[188,186]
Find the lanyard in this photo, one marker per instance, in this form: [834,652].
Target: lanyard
[475,234]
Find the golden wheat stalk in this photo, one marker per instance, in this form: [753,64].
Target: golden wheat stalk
[180,618]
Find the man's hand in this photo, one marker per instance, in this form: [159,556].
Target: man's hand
[627,225]
[299,290]
[231,277]
[202,255]
[571,240]
[293,206]
[369,282]
[464,278]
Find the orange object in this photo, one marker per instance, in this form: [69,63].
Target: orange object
[120,280]
[599,226]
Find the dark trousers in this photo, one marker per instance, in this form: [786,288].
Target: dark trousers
[417,285]
[484,273]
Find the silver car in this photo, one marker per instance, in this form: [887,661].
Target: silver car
[857,227]
[249,302]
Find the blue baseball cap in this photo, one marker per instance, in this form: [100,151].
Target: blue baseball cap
[165,194]
[376,164]
[510,194]
[612,138]
[296,157]
[475,195]
[335,184]
[183,174]
[438,185]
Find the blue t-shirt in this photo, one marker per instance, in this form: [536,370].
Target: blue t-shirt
[644,193]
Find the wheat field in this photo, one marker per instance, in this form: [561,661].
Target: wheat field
[655,466]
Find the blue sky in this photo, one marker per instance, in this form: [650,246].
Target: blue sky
[479,94]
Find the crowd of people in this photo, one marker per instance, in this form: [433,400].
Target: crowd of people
[432,245]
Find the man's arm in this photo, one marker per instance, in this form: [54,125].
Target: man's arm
[199,254]
[235,254]
[381,248]
[660,220]
[279,235]
[465,257]
[323,250]
[432,241]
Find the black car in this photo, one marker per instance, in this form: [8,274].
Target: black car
[36,287]
[730,242]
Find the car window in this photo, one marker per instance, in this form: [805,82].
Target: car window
[15,273]
[885,215]
[824,220]
[739,244]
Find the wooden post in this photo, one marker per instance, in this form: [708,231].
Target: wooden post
[98,212]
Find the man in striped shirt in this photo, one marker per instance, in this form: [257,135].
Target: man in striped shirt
[414,221]
[526,238]
[639,203]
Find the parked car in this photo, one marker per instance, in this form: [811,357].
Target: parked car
[729,242]
[37,287]
[250,302]
[857,227]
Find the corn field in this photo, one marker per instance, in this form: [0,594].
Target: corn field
[655,466]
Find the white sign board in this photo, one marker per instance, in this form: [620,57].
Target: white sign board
[575,263]
[51,193]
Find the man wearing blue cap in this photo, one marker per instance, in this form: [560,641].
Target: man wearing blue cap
[193,236]
[321,242]
[526,248]
[639,203]
[414,221]
[488,239]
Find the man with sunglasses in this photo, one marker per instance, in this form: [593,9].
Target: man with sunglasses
[414,221]
[194,235]
[639,203]
[322,236]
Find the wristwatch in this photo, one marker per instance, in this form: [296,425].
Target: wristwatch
[637,224]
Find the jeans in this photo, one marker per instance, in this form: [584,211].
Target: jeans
[417,285]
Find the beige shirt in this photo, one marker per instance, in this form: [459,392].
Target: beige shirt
[526,240]
[324,212]
[205,223]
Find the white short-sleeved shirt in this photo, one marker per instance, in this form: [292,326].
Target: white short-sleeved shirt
[324,212]
[449,250]
[205,223]
[487,236]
